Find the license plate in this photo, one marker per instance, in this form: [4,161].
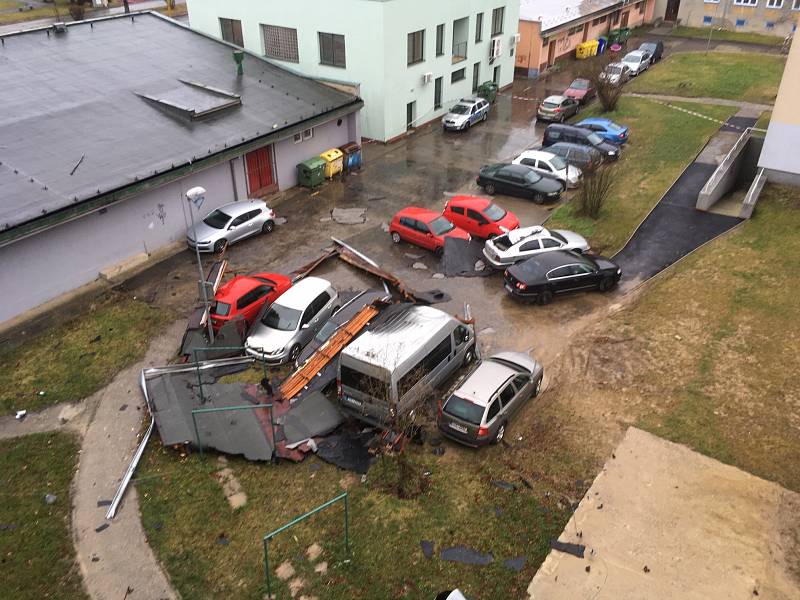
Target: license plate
[459,428]
[508,287]
[352,401]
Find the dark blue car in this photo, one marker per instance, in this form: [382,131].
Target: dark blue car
[607,129]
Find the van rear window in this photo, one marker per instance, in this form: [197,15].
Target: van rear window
[463,409]
[365,384]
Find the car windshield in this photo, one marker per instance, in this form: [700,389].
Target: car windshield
[502,242]
[326,332]
[463,409]
[532,177]
[220,309]
[217,219]
[440,225]
[461,109]
[281,318]
[550,104]
[580,84]
[594,139]
[494,212]
[559,237]
[558,163]
[614,70]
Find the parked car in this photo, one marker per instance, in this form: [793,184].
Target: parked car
[341,317]
[607,129]
[466,113]
[525,242]
[479,217]
[518,180]
[292,321]
[230,223]
[558,132]
[616,73]
[479,410]
[581,90]
[637,61]
[424,228]
[557,108]
[654,49]
[560,272]
[245,295]
[583,157]
[551,165]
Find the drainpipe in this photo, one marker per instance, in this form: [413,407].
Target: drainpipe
[233,179]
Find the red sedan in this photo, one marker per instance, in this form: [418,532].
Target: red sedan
[580,90]
[425,228]
[244,295]
[479,217]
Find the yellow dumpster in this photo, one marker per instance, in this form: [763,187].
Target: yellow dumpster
[334,162]
[593,46]
[583,51]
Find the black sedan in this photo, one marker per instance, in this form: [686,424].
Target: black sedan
[518,180]
[559,272]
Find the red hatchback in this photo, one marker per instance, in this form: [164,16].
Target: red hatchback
[245,295]
[581,90]
[425,228]
[479,217]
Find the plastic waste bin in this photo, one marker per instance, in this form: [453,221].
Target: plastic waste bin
[352,156]
[624,34]
[613,36]
[311,172]
[488,91]
[334,162]
[602,44]
[583,51]
[593,46]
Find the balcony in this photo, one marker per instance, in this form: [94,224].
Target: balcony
[460,34]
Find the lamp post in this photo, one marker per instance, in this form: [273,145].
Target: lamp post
[197,196]
[711,28]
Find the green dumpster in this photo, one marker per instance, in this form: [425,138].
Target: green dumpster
[624,34]
[311,172]
[614,37]
[488,91]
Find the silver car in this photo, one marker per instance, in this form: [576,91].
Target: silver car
[292,321]
[616,73]
[230,223]
[520,244]
[478,411]
[637,61]
[557,108]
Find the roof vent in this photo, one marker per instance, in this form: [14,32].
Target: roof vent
[60,27]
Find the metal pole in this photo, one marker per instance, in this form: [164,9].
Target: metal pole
[711,29]
[272,427]
[206,305]
[346,524]
[266,568]
[199,377]
[197,436]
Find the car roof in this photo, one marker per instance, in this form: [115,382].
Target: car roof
[234,209]
[573,146]
[304,291]
[615,64]
[484,381]
[556,99]
[240,285]
[540,154]
[470,100]
[469,201]
[637,53]
[544,262]
[423,214]
[580,79]
[597,121]
[515,236]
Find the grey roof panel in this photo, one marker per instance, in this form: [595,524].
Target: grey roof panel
[555,13]
[79,94]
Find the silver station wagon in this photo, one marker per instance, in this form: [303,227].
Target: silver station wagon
[478,412]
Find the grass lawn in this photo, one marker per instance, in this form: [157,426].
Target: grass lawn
[746,77]
[763,121]
[728,36]
[663,141]
[38,558]
[73,360]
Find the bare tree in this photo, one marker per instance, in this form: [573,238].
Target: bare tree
[77,9]
[598,183]
[594,69]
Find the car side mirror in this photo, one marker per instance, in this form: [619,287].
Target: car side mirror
[304,326]
[231,228]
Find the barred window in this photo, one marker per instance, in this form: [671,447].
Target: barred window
[231,31]
[331,49]
[280,42]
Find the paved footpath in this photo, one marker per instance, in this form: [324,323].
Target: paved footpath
[702,100]
[115,560]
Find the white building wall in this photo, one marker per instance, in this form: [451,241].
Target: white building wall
[65,257]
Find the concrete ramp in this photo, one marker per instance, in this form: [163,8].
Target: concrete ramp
[662,521]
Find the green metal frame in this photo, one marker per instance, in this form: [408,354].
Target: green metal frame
[271,534]
[213,348]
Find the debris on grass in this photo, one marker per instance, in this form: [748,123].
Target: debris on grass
[295,585]
[503,485]
[427,548]
[284,571]
[466,556]
[574,549]
[313,552]
[515,564]
[21,414]
[321,568]
[50,498]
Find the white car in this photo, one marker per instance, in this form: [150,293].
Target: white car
[466,113]
[637,61]
[551,165]
[520,244]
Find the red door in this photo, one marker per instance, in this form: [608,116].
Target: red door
[259,171]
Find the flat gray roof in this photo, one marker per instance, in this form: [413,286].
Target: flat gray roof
[115,101]
[555,13]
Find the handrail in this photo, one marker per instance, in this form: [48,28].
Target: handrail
[729,158]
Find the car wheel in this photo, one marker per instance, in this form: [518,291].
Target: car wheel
[561,118]
[468,125]
[220,246]
[294,353]
[485,116]
[268,227]
[439,251]
[538,199]
[489,189]
[501,432]
[395,237]
[469,356]
[538,387]
[545,297]
[606,284]
[491,236]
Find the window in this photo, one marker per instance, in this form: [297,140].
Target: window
[416,47]
[520,381]
[364,383]
[458,75]
[498,14]
[434,358]
[745,2]
[476,216]
[461,334]
[331,49]
[574,30]
[308,134]
[459,210]
[550,243]
[774,4]
[707,19]
[479,27]
[437,92]
[615,17]
[529,246]
[560,272]
[476,75]
[796,5]
[740,22]
[507,395]
[280,43]
[641,8]
[494,408]
[298,137]
[599,20]
[544,166]
[231,31]
[440,39]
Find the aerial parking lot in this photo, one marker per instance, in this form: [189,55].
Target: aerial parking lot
[645,316]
